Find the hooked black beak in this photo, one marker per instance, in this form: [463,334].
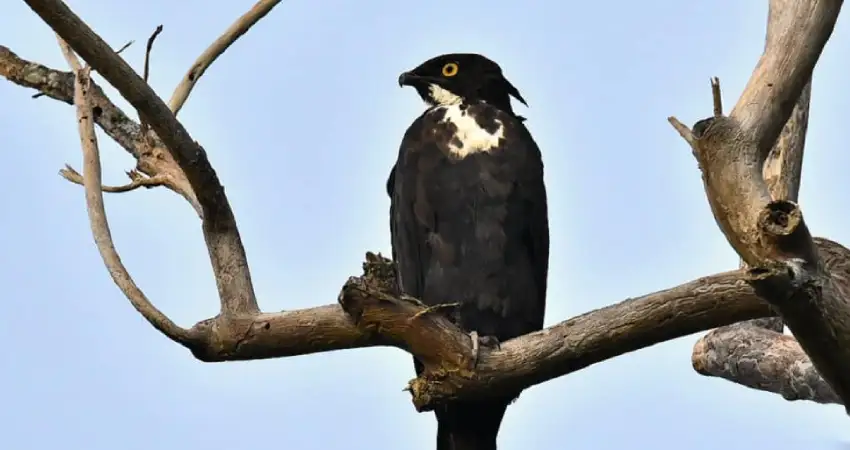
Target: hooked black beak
[405,78]
[411,79]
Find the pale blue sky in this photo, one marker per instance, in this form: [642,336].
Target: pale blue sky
[302,120]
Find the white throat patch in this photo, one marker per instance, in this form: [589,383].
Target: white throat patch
[470,138]
[442,97]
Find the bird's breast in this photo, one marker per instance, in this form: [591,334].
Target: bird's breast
[471,130]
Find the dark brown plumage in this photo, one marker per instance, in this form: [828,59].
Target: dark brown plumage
[469,219]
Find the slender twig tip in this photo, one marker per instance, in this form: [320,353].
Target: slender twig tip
[716,97]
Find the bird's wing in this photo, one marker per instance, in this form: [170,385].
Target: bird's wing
[411,216]
[532,190]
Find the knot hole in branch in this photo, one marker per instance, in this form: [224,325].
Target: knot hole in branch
[780,217]
[786,235]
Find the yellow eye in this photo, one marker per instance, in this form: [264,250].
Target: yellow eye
[450,70]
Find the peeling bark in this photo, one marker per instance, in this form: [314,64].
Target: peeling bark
[761,359]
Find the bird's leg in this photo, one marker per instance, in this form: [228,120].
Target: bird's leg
[475,347]
[491,342]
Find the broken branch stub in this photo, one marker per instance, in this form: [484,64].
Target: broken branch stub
[375,305]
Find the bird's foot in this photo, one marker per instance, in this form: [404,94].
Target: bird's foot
[491,342]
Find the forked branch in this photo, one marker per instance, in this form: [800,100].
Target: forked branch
[137,180]
[555,351]
[227,253]
[781,171]
[770,235]
[94,203]
[729,352]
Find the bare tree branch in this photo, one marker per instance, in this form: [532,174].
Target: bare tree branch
[767,360]
[575,343]
[148,140]
[372,314]
[148,49]
[59,85]
[781,172]
[216,49]
[138,180]
[761,359]
[97,214]
[124,47]
[782,175]
[770,235]
[227,253]
[783,166]
[154,161]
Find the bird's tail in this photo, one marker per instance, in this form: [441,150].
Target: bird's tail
[470,425]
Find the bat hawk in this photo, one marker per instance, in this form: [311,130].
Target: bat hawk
[469,220]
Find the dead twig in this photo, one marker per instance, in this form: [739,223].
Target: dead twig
[216,49]
[138,180]
[148,49]
[148,141]
[124,47]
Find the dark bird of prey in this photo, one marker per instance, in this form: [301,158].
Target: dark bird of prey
[469,220]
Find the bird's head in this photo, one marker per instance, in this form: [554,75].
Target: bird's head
[461,77]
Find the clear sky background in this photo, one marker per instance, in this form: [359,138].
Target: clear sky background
[302,119]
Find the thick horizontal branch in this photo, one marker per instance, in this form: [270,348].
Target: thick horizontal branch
[377,316]
[568,346]
[771,235]
[761,359]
